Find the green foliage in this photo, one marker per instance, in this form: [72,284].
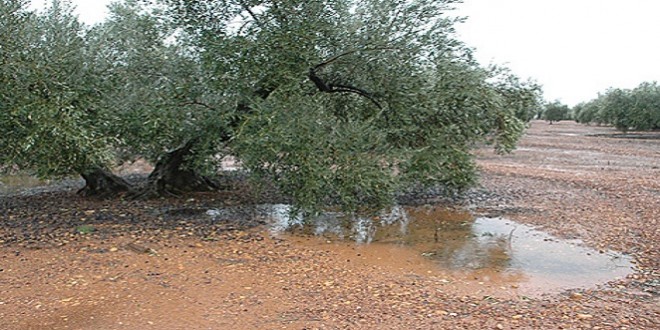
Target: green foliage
[523,97]
[645,112]
[15,23]
[48,100]
[615,108]
[587,113]
[312,155]
[636,109]
[155,87]
[75,98]
[335,101]
[348,101]
[556,111]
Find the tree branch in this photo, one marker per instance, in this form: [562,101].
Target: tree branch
[339,88]
[199,103]
[252,14]
[350,89]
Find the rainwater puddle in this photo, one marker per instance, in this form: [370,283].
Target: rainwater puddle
[494,252]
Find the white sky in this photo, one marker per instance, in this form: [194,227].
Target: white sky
[89,11]
[574,48]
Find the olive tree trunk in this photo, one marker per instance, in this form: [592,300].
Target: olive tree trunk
[102,183]
[171,177]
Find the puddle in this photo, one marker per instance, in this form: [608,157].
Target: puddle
[492,251]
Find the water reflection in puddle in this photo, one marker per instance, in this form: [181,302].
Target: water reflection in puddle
[488,249]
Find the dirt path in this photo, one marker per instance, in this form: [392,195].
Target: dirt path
[147,266]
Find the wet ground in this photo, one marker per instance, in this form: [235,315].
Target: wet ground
[500,252]
[544,217]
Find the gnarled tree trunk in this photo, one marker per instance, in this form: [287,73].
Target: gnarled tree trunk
[170,177]
[101,183]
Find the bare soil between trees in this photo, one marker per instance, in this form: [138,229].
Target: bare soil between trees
[73,263]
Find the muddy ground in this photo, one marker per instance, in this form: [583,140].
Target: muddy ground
[71,263]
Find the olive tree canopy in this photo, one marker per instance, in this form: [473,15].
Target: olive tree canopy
[51,121]
[334,101]
[349,101]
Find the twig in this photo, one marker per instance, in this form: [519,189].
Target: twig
[511,238]
[252,14]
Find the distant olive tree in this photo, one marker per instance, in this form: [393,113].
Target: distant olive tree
[588,113]
[556,111]
[646,106]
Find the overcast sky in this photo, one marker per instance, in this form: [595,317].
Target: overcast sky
[90,11]
[574,48]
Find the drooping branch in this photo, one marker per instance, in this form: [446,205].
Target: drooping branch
[333,87]
[339,88]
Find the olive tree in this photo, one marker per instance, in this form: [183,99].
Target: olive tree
[334,101]
[645,112]
[556,111]
[349,101]
[158,92]
[51,118]
[79,100]
[616,107]
[588,112]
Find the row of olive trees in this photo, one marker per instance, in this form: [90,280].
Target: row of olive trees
[336,99]
[625,109]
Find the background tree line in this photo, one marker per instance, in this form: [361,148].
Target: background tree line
[625,109]
[335,100]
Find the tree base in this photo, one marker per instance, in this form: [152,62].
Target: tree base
[102,183]
[170,178]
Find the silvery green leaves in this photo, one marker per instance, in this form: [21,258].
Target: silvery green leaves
[49,111]
[337,101]
[363,99]
[626,109]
